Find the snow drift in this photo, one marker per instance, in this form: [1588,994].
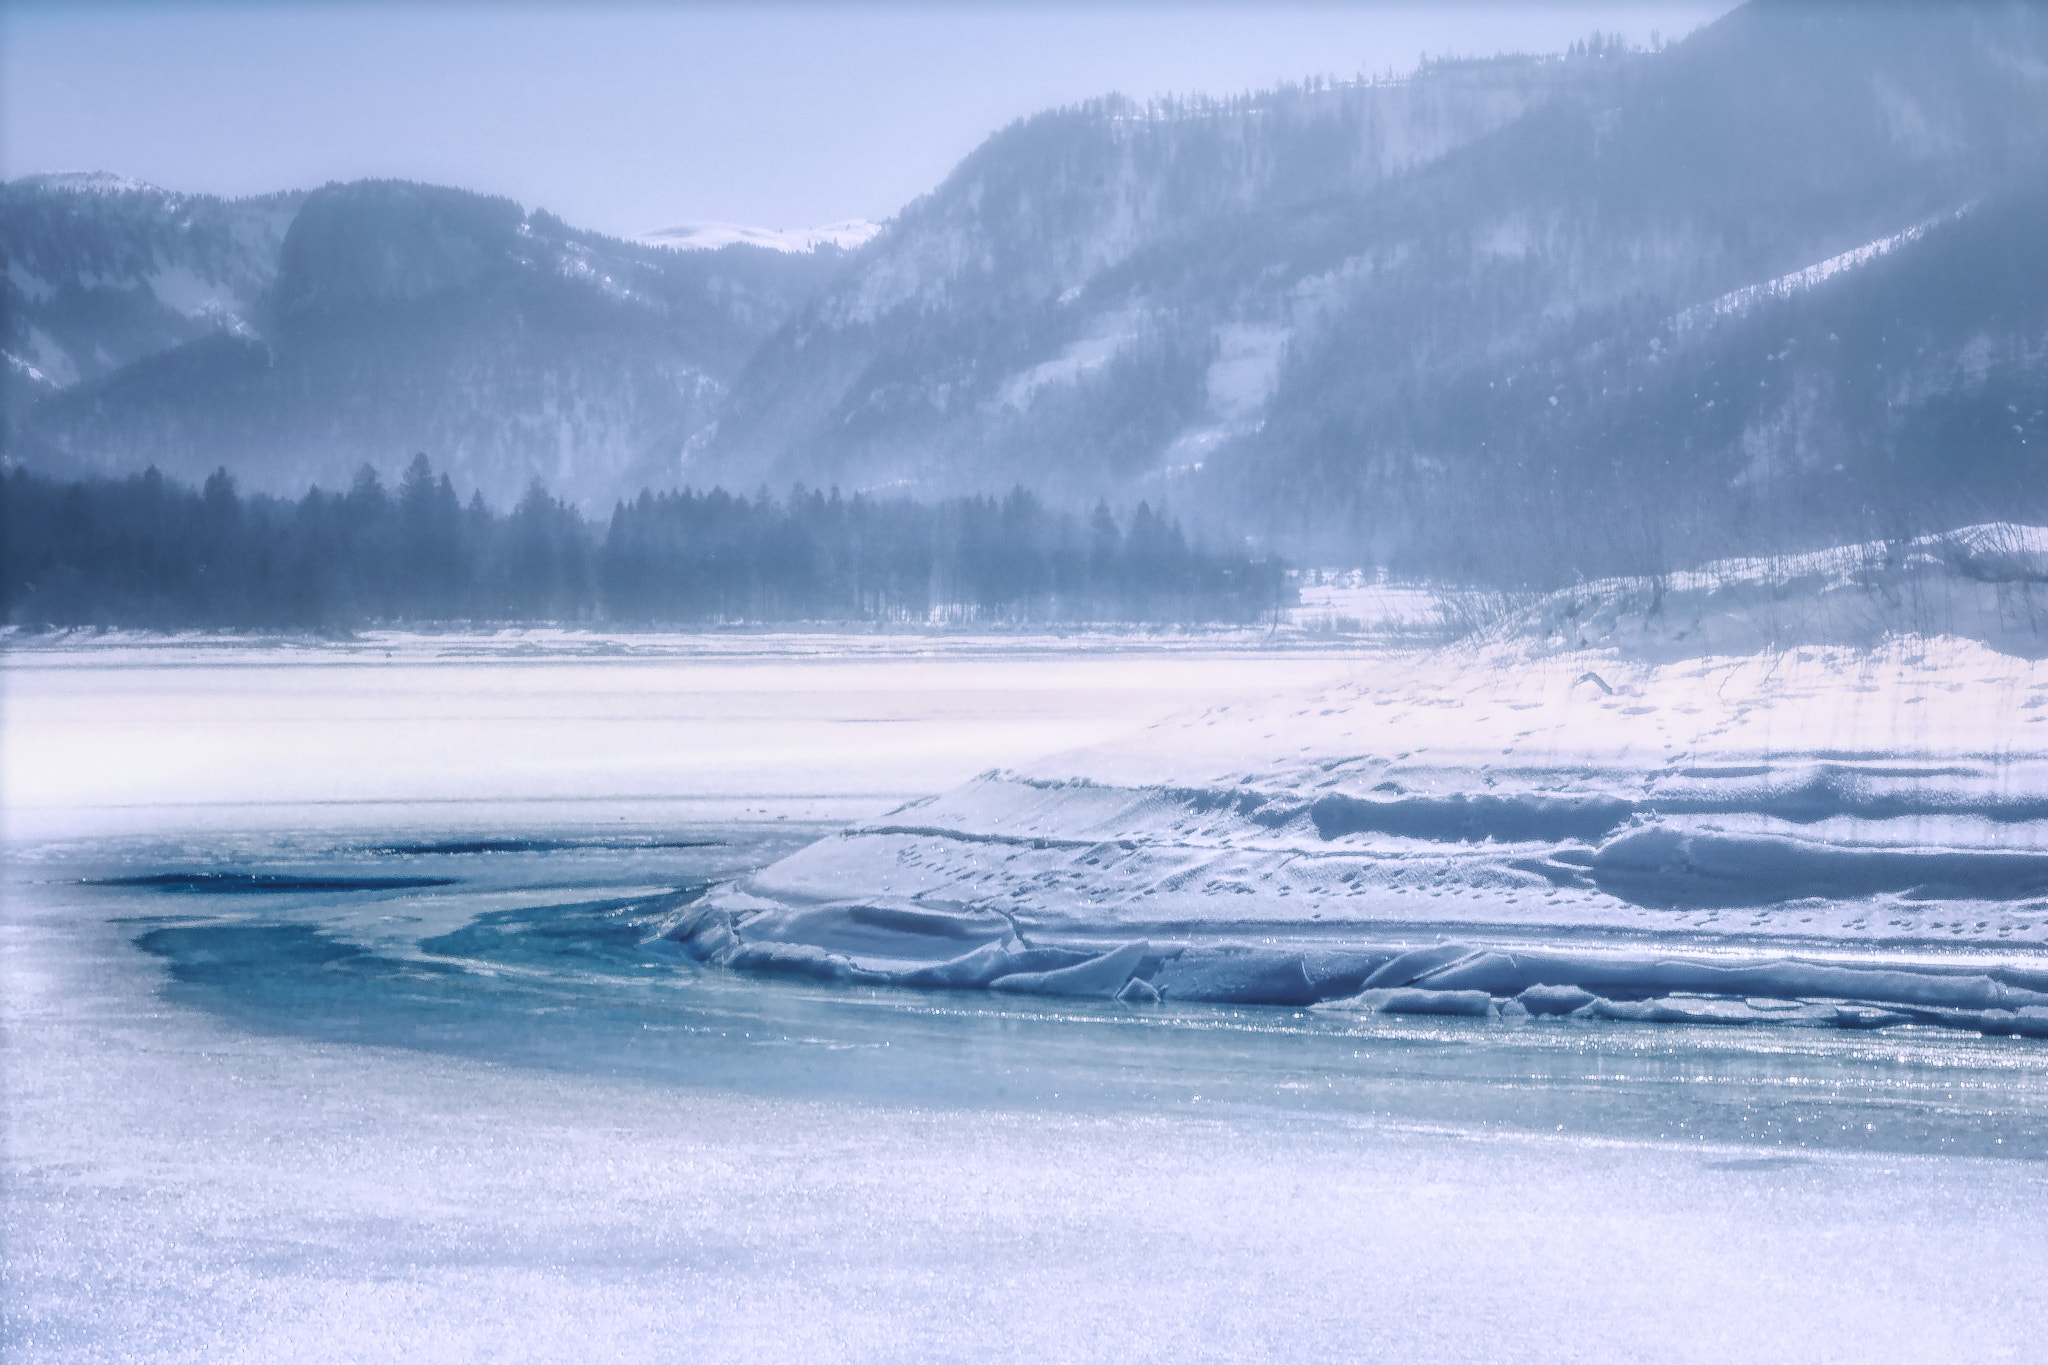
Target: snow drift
[1825,835]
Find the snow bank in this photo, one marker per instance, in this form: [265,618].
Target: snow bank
[1987,583]
[1827,836]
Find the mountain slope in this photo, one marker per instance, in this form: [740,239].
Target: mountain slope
[101,271]
[1339,317]
[1466,405]
[1026,319]
[1518,319]
[396,317]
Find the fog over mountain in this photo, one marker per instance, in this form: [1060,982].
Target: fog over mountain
[1514,318]
[1410,318]
[296,337]
[102,271]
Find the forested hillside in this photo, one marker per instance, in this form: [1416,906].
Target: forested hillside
[360,321]
[1468,321]
[1522,319]
[100,272]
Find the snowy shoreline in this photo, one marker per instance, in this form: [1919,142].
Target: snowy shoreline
[1832,835]
[1752,768]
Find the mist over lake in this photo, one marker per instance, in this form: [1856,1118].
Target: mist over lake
[1386,713]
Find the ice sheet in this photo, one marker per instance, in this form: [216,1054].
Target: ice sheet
[467,1123]
[103,733]
[324,1119]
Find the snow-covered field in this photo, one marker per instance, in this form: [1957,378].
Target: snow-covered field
[125,733]
[337,1026]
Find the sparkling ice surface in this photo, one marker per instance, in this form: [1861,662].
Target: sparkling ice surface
[330,1035]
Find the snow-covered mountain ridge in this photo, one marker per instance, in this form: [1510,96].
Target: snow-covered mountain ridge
[1519,320]
[1516,318]
[102,271]
[846,236]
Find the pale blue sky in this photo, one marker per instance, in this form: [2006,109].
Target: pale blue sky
[630,117]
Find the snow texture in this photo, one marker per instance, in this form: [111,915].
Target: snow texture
[1847,836]
[111,732]
[1987,583]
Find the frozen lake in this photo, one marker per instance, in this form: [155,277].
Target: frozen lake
[329,1036]
[444,731]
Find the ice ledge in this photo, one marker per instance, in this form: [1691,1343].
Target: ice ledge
[1441,979]
[1855,837]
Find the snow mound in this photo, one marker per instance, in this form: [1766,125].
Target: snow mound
[1987,583]
[1853,837]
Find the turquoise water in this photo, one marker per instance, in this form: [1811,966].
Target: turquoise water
[366,1098]
[291,938]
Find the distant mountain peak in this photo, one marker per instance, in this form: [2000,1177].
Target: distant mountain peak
[847,235]
[89,182]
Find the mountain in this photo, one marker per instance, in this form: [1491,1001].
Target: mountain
[101,271]
[295,338]
[1512,316]
[1035,316]
[1521,319]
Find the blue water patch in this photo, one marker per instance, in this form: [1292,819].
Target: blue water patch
[244,883]
[571,984]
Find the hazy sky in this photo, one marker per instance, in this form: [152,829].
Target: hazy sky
[631,117]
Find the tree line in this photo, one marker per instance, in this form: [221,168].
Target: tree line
[152,552]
